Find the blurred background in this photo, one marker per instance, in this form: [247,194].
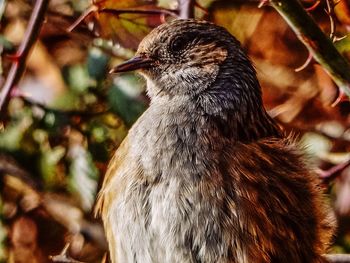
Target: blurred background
[66,116]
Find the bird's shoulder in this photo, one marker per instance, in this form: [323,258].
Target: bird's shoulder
[115,180]
[276,169]
[284,153]
[121,164]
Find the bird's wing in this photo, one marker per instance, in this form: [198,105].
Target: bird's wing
[281,208]
[121,170]
[116,167]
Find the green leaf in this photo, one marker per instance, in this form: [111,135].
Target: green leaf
[11,137]
[343,45]
[83,175]
[123,98]
[49,158]
[97,64]
[78,78]
[5,44]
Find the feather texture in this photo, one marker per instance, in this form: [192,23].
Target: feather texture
[205,175]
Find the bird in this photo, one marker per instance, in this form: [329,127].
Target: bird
[205,174]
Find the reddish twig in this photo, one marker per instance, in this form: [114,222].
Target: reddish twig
[314,6]
[306,63]
[341,97]
[186,8]
[333,172]
[82,17]
[18,66]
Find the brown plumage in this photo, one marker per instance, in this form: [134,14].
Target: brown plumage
[205,175]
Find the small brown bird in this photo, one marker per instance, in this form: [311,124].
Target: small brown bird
[205,175]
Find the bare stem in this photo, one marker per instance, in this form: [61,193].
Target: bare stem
[320,46]
[18,66]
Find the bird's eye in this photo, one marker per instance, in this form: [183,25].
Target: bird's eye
[180,43]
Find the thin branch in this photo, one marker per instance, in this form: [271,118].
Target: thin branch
[82,17]
[314,6]
[95,8]
[340,98]
[333,172]
[186,8]
[18,66]
[316,41]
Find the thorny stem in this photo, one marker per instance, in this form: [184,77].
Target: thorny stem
[186,8]
[81,18]
[316,41]
[18,66]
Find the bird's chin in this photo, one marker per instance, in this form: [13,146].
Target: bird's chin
[152,88]
[143,72]
[146,73]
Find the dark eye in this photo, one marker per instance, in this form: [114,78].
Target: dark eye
[180,43]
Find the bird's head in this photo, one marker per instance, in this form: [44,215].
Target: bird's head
[185,57]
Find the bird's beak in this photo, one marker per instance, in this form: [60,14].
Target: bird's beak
[138,62]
